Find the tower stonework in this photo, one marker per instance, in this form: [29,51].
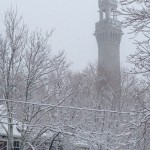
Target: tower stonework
[108,34]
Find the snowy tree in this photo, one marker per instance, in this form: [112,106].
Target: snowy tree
[136,17]
[11,53]
[31,78]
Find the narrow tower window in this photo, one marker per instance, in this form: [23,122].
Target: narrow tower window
[113,14]
[104,15]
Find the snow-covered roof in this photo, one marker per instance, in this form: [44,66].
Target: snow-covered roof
[79,143]
[82,144]
[4,123]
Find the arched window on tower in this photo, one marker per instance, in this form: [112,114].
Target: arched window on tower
[104,15]
[113,14]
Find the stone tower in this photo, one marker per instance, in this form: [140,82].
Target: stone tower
[108,35]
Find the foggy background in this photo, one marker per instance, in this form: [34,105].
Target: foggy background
[73,22]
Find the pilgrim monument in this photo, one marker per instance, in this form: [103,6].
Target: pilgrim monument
[108,34]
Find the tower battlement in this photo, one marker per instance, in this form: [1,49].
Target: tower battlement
[104,2]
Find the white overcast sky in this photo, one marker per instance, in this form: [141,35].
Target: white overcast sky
[74,24]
